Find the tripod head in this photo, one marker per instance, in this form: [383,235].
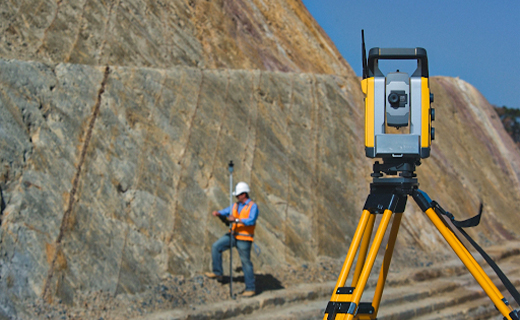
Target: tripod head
[405,182]
[391,166]
[397,101]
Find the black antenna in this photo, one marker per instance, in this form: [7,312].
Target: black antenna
[364,55]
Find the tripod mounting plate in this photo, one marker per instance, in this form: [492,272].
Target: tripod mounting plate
[392,166]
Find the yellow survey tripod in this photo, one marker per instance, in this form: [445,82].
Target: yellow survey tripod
[398,130]
[388,197]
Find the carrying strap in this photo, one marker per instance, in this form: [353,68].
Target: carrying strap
[472,222]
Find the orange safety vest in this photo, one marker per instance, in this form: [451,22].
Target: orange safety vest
[241,231]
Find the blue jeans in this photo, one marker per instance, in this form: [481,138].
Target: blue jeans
[244,251]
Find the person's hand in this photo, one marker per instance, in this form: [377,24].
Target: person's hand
[215,213]
[232,219]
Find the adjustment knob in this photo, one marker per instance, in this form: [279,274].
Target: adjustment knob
[433,133]
[432,113]
[431,97]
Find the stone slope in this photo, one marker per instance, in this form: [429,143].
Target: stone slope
[268,35]
[109,168]
[111,176]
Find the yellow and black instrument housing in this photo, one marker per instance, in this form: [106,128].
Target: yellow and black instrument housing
[399,101]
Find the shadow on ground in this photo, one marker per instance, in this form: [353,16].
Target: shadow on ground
[263,282]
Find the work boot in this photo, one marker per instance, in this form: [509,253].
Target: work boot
[248,294]
[211,275]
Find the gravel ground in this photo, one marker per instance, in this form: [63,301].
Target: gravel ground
[181,292]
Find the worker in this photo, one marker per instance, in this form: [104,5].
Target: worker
[243,215]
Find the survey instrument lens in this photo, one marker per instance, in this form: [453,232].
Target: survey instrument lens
[398,99]
[393,98]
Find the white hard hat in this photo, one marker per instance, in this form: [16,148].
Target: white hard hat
[241,187]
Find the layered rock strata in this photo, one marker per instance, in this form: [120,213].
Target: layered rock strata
[238,34]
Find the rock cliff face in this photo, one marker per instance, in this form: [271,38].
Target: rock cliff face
[244,34]
[117,120]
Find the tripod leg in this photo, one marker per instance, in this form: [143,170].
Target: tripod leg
[349,260]
[474,268]
[363,249]
[386,262]
[369,263]
[347,265]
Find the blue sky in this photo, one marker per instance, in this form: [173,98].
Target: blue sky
[478,41]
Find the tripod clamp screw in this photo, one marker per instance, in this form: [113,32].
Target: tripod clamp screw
[515,315]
